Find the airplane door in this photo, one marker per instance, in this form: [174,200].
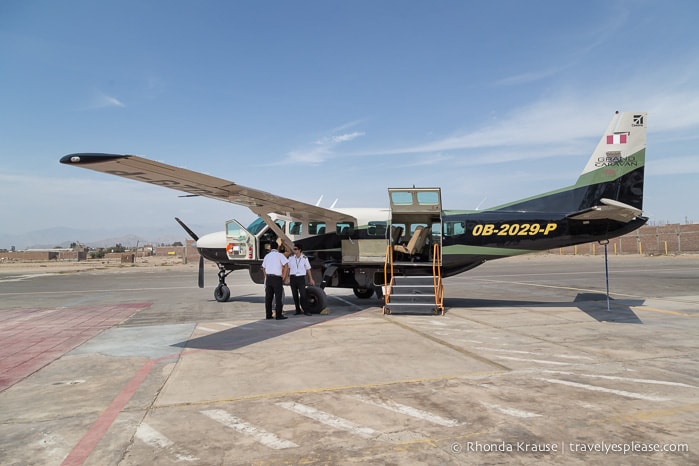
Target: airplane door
[240,243]
[416,201]
[414,207]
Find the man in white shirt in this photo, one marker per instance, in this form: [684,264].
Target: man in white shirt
[275,267]
[299,269]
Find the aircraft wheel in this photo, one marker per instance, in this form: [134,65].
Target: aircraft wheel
[315,300]
[222,293]
[363,293]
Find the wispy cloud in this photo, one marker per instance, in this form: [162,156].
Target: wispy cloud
[101,100]
[322,149]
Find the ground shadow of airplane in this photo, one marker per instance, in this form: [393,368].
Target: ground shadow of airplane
[257,331]
[593,304]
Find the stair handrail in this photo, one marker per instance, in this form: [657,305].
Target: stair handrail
[387,262]
[437,278]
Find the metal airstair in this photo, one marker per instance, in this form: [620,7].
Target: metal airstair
[413,263]
[420,292]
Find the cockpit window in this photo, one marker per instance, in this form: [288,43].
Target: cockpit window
[256,226]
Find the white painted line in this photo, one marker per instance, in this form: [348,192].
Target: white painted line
[329,419]
[540,361]
[595,388]
[511,411]
[152,437]
[625,379]
[207,329]
[267,439]
[409,411]
[565,356]
[499,350]
[344,301]
[223,324]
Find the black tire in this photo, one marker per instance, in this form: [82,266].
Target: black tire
[222,293]
[363,293]
[314,301]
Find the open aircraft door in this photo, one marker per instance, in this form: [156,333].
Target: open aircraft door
[413,210]
[240,243]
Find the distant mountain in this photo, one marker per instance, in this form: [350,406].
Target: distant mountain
[97,238]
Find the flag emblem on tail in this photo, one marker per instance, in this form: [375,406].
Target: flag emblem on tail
[617,138]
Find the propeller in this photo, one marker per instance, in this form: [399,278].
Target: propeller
[194,236]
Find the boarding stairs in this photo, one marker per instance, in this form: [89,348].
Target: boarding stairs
[419,290]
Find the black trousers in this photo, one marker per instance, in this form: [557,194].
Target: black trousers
[298,289]
[274,291]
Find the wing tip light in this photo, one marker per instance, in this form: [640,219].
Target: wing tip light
[84,158]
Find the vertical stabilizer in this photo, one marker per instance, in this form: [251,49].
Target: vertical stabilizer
[615,170]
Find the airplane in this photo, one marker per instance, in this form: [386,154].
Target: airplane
[369,250]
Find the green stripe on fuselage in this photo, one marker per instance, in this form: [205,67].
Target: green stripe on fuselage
[464,249]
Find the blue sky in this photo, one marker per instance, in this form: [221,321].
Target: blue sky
[491,101]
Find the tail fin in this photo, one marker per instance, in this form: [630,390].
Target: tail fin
[615,170]
[610,187]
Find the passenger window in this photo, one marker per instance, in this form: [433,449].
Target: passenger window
[296,228]
[377,229]
[345,228]
[454,228]
[280,223]
[316,228]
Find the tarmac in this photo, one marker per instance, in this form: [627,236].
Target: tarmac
[531,364]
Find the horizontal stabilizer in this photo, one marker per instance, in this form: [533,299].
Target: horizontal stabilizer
[609,210]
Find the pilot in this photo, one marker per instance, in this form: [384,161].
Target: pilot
[275,267]
[299,269]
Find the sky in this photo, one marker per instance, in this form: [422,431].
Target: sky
[490,100]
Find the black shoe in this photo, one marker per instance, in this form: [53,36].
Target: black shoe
[282,317]
[307,314]
[297,313]
[270,317]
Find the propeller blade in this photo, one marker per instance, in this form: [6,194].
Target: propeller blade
[186,228]
[201,271]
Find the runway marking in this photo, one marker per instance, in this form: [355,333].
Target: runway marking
[207,329]
[626,295]
[349,303]
[152,437]
[267,439]
[110,290]
[595,388]
[511,411]
[409,411]
[539,361]
[626,379]
[662,311]
[272,395]
[80,452]
[500,350]
[329,419]
[647,415]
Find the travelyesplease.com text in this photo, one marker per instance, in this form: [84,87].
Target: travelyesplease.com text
[568,447]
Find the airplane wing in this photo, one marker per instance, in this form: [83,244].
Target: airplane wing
[199,184]
[610,210]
